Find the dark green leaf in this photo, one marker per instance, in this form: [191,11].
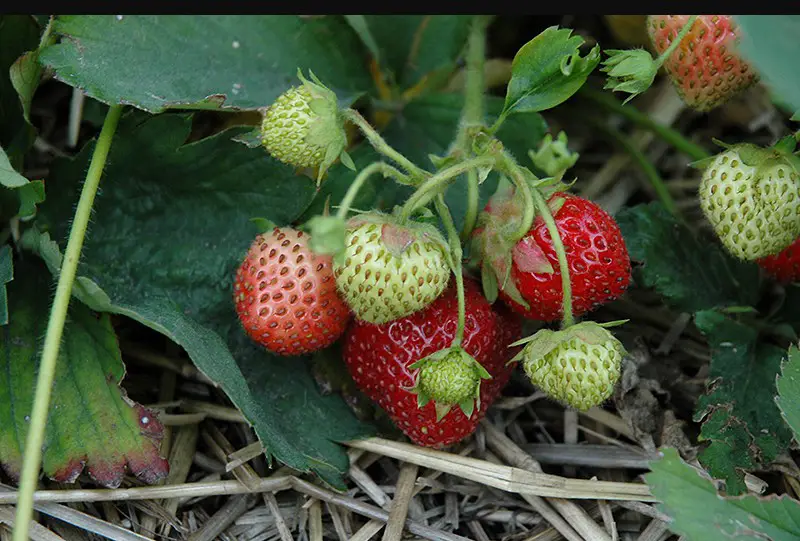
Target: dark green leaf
[689,272]
[700,514]
[768,42]
[18,34]
[547,70]
[169,229]
[361,27]
[18,196]
[92,422]
[203,61]
[413,46]
[788,398]
[739,414]
[6,275]
[26,74]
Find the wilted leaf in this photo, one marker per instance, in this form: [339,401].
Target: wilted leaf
[203,61]
[18,33]
[547,70]
[788,398]
[700,514]
[92,423]
[169,229]
[739,414]
[690,273]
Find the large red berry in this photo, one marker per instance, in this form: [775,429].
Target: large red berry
[705,68]
[600,269]
[784,266]
[378,358]
[286,297]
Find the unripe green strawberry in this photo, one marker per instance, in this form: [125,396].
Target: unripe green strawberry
[578,366]
[751,197]
[303,127]
[388,270]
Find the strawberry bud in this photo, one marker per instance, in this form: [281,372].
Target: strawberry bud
[629,70]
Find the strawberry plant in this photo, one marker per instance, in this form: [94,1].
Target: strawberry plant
[350,226]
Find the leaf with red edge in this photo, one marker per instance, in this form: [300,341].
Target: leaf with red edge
[92,424]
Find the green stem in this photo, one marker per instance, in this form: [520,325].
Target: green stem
[361,178]
[669,135]
[380,144]
[674,45]
[473,201]
[509,167]
[566,284]
[658,184]
[436,184]
[457,254]
[55,326]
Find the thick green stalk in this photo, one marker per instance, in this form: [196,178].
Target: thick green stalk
[380,144]
[55,326]
[457,254]
[438,182]
[563,267]
[669,135]
[361,178]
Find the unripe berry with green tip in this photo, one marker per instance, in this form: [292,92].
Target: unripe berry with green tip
[578,366]
[751,197]
[304,128]
[389,270]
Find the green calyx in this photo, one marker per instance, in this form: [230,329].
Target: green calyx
[389,270]
[553,156]
[578,366]
[449,377]
[304,127]
[629,70]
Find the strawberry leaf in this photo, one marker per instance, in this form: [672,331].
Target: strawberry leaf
[739,414]
[18,33]
[691,273]
[788,399]
[169,229]
[18,196]
[92,425]
[700,513]
[203,62]
[547,70]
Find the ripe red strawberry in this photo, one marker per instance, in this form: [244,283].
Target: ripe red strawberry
[286,297]
[600,269]
[784,266]
[379,356]
[705,68]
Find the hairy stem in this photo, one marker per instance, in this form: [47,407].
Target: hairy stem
[380,144]
[566,284]
[677,41]
[55,326]
[438,182]
[361,179]
[666,133]
[658,184]
[457,254]
[509,167]
[473,201]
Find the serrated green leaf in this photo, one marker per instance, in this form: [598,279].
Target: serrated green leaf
[413,46]
[18,34]
[169,228]
[690,273]
[203,61]
[738,412]
[766,42]
[547,70]
[6,275]
[700,514]
[92,423]
[788,399]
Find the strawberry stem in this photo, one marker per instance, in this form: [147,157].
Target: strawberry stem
[439,182]
[677,41]
[473,112]
[508,166]
[456,255]
[361,178]
[566,284]
[55,326]
[380,144]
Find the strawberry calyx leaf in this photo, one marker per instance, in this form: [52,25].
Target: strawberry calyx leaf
[546,340]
